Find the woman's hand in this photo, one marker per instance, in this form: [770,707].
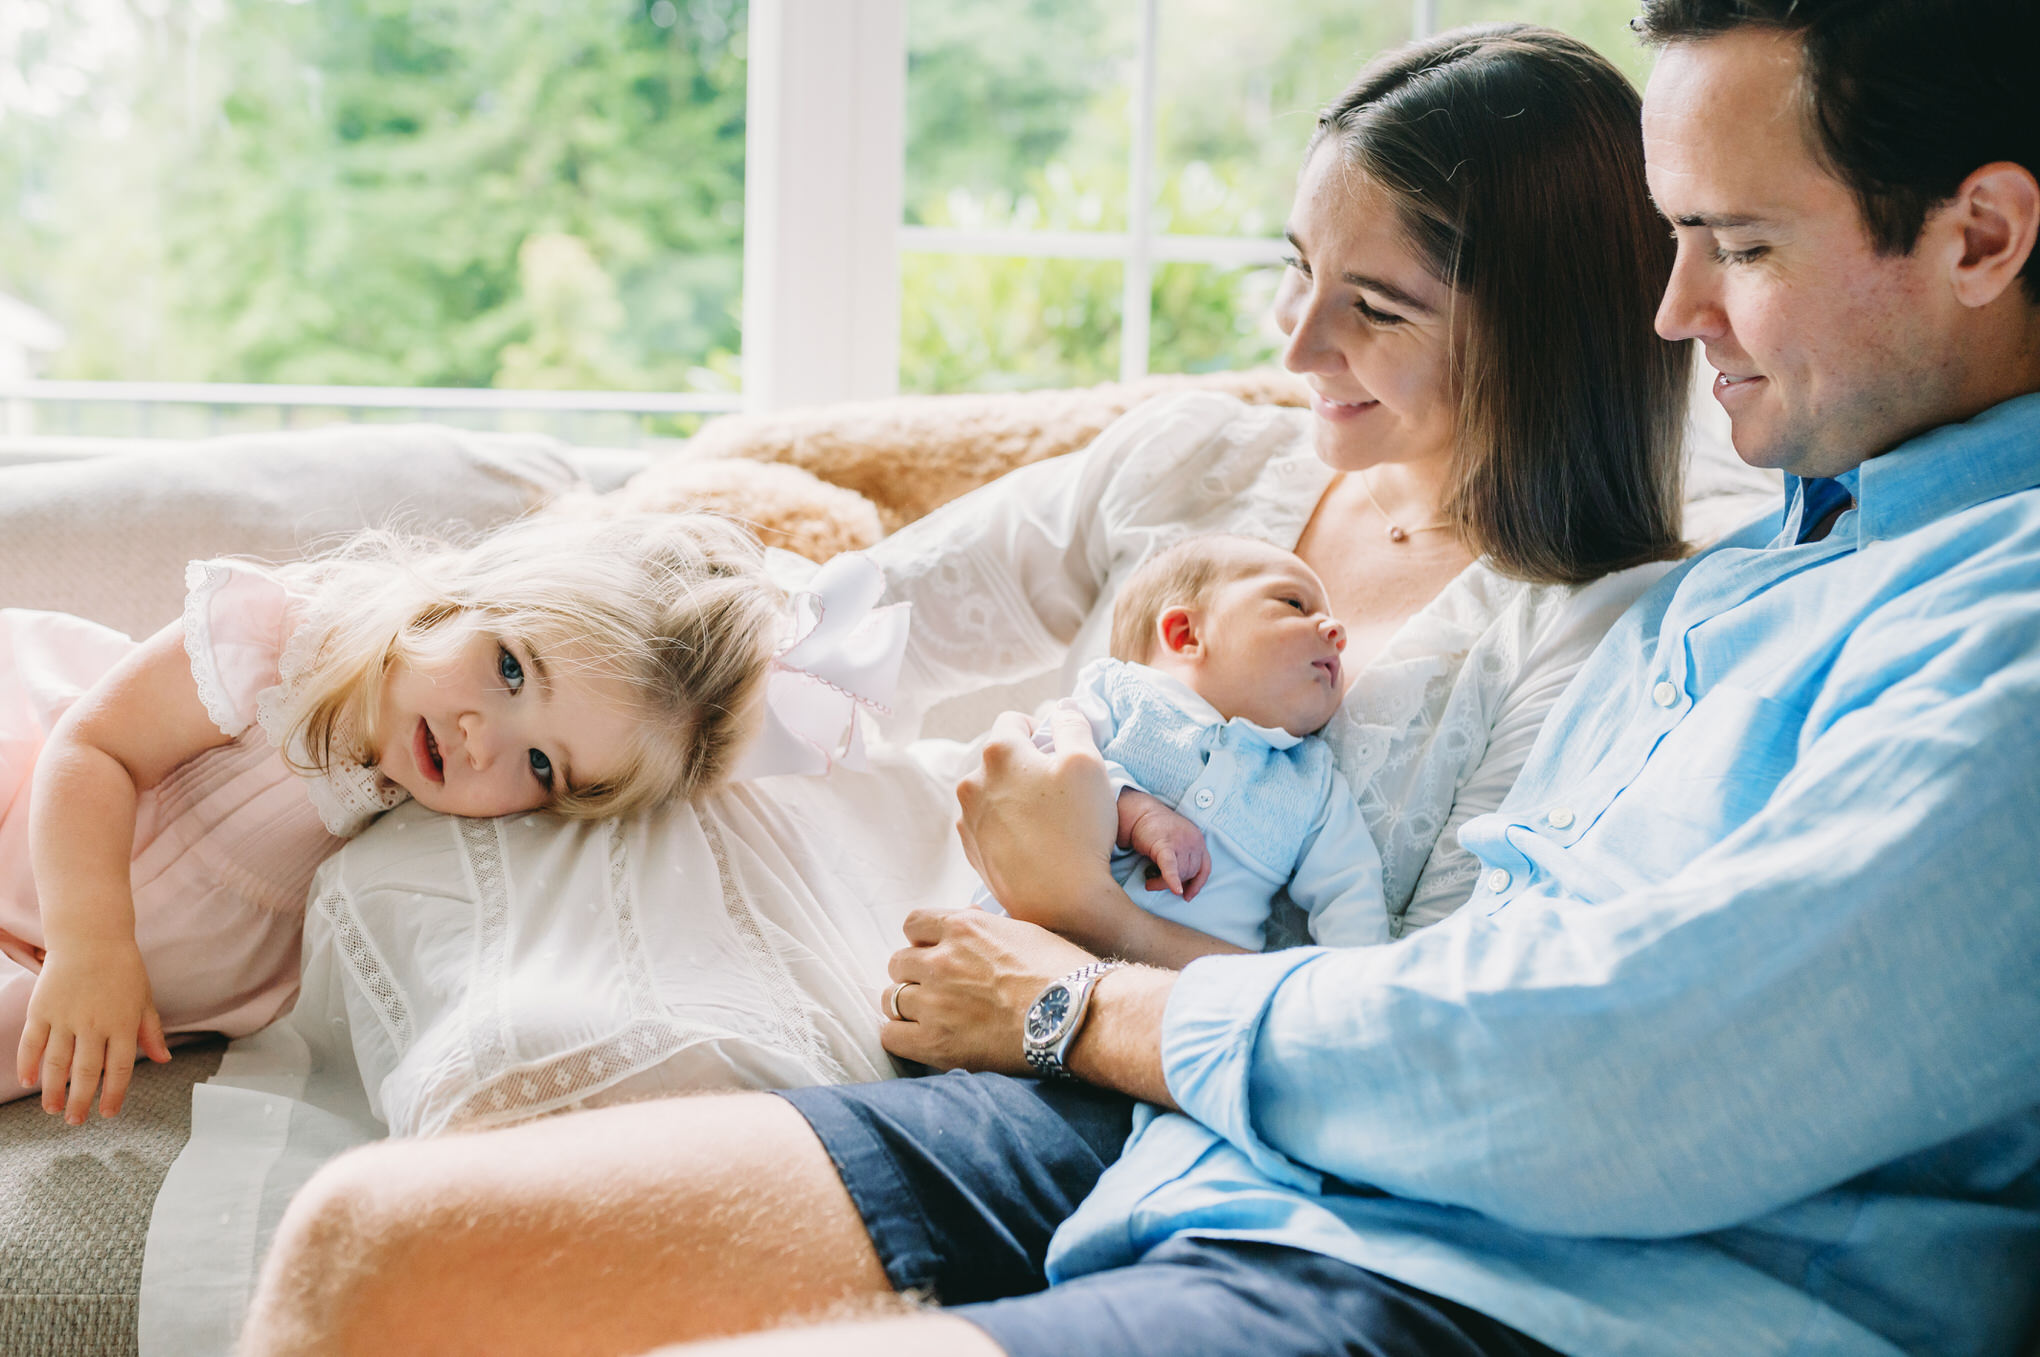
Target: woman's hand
[1039,827]
[90,1011]
[970,978]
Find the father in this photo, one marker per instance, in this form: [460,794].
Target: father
[1736,1047]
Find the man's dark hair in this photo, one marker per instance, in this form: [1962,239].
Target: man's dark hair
[1904,98]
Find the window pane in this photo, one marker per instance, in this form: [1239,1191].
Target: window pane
[1240,87]
[1602,24]
[1017,113]
[981,323]
[1212,318]
[518,193]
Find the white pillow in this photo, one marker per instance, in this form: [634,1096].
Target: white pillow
[499,969]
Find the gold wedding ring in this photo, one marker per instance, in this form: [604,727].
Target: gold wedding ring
[892,1000]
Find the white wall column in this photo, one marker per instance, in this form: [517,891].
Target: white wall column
[824,165]
[1136,296]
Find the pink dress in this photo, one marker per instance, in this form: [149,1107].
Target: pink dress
[224,847]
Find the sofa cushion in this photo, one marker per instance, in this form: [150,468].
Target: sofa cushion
[74,1211]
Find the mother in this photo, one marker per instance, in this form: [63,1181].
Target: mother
[1494,426]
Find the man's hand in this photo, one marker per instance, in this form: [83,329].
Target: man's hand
[1150,828]
[970,979]
[1039,827]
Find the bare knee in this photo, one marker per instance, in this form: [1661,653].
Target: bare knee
[342,1255]
[606,1231]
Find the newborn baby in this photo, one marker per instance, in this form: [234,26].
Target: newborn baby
[1225,662]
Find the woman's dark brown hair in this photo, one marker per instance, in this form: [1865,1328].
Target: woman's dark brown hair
[1515,156]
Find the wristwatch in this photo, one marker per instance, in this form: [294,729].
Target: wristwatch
[1054,1018]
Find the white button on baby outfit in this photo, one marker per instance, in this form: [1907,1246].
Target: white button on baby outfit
[1665,695]
[1205,798]
[1558,817]
[1498,880]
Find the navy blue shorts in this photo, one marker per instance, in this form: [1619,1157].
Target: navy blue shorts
[962,1178]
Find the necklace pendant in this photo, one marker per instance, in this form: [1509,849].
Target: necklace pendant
[1396,534]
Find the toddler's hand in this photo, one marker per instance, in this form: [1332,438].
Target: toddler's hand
[90,1011]
[1170,842]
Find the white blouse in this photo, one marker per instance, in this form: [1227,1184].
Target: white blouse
[1013,585]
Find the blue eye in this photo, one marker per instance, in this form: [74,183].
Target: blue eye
[541,768]
[506,665]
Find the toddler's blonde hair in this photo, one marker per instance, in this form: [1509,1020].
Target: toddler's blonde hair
[677,606]
[1184,574]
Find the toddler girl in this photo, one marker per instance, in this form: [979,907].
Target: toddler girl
[173,797]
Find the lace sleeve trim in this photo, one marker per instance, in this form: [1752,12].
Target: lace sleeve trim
[203,580]
[347,795]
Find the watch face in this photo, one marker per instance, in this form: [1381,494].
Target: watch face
[1049,1013]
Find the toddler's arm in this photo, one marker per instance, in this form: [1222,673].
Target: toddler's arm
[1148,826]
[91,1007]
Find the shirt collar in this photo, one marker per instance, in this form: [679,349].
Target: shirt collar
[1923,479]
[1187,700]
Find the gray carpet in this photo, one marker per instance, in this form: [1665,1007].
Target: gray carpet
[74,1211]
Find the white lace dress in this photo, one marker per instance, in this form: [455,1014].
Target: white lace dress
[1014,583]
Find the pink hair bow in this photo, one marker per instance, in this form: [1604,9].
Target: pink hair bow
[843,656]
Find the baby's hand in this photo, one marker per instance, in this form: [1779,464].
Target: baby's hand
[1170,842]
[90,1011]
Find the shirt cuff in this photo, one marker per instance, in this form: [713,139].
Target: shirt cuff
[1209,1033]
[1119,779]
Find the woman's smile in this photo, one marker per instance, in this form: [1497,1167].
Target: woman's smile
[1327,408]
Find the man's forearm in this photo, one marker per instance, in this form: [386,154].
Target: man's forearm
[1120,1046]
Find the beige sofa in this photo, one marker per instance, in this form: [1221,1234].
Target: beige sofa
[107,537]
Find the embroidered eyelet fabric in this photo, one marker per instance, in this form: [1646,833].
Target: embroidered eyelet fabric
[1017,580]
[496,970]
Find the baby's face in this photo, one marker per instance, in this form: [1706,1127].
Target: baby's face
[1267,646]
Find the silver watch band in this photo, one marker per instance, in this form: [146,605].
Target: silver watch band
[1047,1056]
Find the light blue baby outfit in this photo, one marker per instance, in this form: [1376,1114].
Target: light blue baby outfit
[1273,810]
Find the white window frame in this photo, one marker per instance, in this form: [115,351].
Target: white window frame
[824,202]
[824,174]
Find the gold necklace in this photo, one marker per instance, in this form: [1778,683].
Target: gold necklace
[1396,532]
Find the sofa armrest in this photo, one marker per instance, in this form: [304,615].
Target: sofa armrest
[106,536]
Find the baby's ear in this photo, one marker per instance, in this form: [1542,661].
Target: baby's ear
[1176,628]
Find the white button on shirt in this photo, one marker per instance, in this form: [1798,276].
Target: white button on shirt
[1559,818]
[1205,798]
[1498,880]
[1665,695]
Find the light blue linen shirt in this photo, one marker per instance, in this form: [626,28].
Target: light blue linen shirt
[1736,1049]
